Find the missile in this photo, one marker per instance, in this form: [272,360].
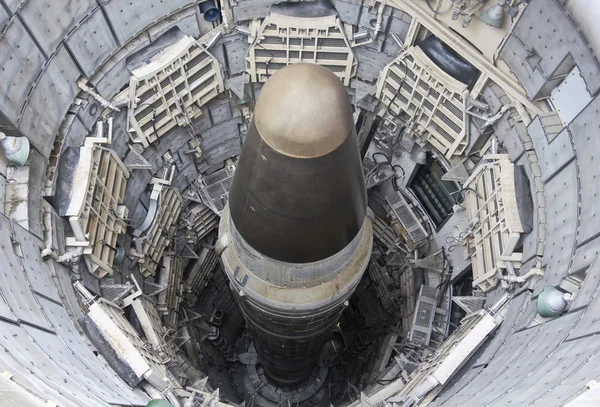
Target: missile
[294,239]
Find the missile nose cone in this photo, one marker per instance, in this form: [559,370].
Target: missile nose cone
[304,111]
[298,194]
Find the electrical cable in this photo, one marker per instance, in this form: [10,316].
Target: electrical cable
[454,242]
[267,62]
[402,80]
[387,159]
[446,283]
[153,120]
[396,186]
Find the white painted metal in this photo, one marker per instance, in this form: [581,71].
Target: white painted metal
[171,277]
[159,235]
[283,40]
[110,322]
[494,220]
[571,96]
[407,217]
[171,90]
[433,101]
[96,212]
[422,324]
[214,188]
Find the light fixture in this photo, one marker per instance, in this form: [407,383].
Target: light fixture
[211,13]
[419,156]
[16,149]
[494,16]
[552,302]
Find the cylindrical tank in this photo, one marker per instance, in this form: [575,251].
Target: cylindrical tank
[295,234]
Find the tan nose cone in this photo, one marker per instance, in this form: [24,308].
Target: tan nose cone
[304,111]
[298,194]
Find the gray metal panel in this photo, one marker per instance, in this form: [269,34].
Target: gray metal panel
[129,18]
[570,97]
[399,25]
[509,325]
[15,395]
[349,13]
[51,20]
[368,18]
[548,18]
[529,315]
[590,323]
[5,311]
[586,256]
[49,101]
[113,74]
[83,352]
[562,363]
[220,112]
[89,120]
[172,141]
[185,176]
[220,133]
[561,215]
[507,134]
[20,62]
[250,9]
[489,350]
[584,130]
[553,156]
[460,220]
[235,51]
[92,42]
[77,132]
[204,123]
[189,25]
[120,134]
[70,299]
[23,372]
[135,187]
[75,375]
[537,348]
[185,20]
[4,16]
[572,384]
[514,55]
[116,78]
[216,156]
[13,283]
[25,348]
[370,63]
[37,271]
[511,351]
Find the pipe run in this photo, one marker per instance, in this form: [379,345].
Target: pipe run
[81,83]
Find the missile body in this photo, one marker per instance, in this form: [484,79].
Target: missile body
[294,239]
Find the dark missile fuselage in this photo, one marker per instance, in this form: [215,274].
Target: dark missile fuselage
[297,219]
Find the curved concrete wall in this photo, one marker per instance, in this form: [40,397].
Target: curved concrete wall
[43,351]
[585,14]
[46,46]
